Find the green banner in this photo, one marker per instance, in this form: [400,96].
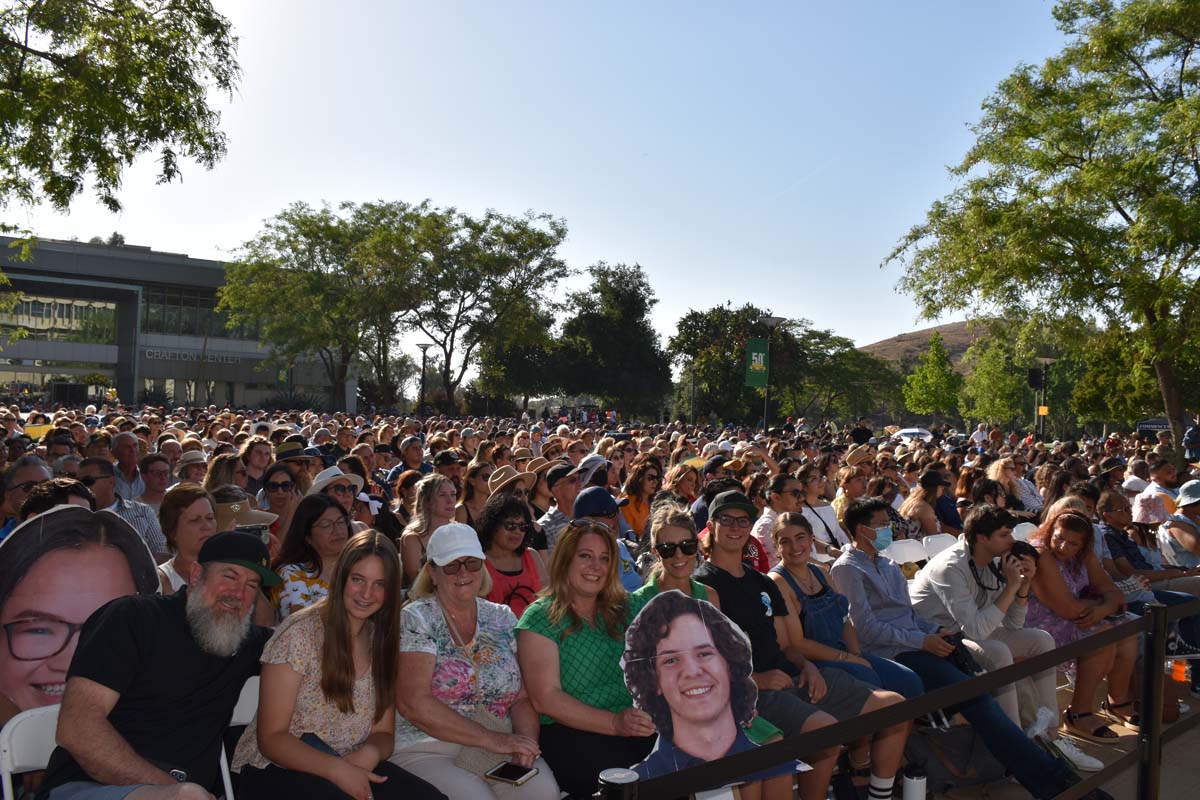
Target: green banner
[756,363]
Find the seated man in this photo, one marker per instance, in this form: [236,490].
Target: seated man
[154,681]
[963,587]
[888,626]
[793,694]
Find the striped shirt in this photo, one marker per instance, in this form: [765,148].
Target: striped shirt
[144,520]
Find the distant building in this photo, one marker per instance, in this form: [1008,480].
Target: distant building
[146,320]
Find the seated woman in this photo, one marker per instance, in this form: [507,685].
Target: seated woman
[282,493]
[569,646]
[675,546]
[324,726]
[459,682]
[433,508]
[517,571]
[829,638]
[918,508]
[831,536]
[188,520]
[475,493]
[1179,535]
[309,551]
[1072,595]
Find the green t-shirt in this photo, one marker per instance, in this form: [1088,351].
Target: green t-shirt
[589,661]
[649,590]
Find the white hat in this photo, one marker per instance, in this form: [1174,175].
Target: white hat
[1189,494]
[331,474]
[588,466]
[451,542]
[1134,484]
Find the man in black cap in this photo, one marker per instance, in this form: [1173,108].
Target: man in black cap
[562,480]
[154,681]
[450,462]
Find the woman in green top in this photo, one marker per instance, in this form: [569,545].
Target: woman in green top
[569,646]
[674,541]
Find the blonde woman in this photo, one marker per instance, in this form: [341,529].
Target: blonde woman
[436,498]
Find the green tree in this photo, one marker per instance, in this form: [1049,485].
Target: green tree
[711,345]
[319,281]
[519,360]
[1079,194]
[609,348]
[90,86]
[932,388]
[994,389]
[477,274]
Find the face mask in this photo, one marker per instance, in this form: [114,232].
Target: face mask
[883,538]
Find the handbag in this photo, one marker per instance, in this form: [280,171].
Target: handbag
[477,760]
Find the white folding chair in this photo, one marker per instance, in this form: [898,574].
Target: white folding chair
[243,714]
[26,743]
[906,550]
[937,543]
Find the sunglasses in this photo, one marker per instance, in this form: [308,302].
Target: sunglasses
[688,547]
[472,565]
[282,486]
[92,480]
[340,488]
[512,526]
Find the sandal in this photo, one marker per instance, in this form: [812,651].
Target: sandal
[1101,734]
[1133,720]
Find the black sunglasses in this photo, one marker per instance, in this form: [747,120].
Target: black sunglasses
[688,547]
[282,486]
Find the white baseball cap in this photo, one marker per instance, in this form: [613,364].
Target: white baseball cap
[453,541]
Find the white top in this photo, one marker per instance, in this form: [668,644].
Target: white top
[824,521]
[174,579]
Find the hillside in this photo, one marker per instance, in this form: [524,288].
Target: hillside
[903,350]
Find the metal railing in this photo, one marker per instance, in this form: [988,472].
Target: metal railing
[1147,755]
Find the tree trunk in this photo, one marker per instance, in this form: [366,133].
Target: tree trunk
[1168,385]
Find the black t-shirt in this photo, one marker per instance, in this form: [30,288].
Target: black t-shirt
[752,602]
[175,699]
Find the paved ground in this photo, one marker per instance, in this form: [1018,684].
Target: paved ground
[1180,776]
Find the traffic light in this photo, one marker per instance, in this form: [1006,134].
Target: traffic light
[1034,378]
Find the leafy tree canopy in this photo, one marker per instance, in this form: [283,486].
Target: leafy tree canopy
[90,85]
[1079,194]
[932,388]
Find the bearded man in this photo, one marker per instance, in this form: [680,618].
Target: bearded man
[155,679]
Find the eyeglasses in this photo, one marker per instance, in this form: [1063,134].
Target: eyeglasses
[92,480]
[330,524]
[688,547]
[158,473]
[35,639]
[23,487]
[512,526]
[472,565]
[340,488]
[734,522]
[281,486]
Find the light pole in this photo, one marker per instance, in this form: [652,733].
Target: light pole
[772,323]
[1041,419]
[421,397]
[692,369]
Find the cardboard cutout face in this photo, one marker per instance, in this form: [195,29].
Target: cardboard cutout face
[688,666]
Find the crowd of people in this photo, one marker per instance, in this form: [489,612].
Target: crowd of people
[425,600]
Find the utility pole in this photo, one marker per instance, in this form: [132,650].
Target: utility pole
[1041,418]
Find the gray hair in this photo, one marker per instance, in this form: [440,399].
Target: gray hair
[21,463]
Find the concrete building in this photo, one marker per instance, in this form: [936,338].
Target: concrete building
[146,320]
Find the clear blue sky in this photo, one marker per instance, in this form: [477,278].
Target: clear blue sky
[762,152]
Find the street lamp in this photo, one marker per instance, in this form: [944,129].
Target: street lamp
[421,398]
[772,323]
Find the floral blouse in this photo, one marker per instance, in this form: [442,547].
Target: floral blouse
[484,672]
[300,589]
[297,643]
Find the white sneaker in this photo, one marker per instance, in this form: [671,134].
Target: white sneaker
[1045,721]
[1078,759]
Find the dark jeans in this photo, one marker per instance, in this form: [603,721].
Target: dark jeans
[1042,775]
[883,674]
[273,782]
[578,757]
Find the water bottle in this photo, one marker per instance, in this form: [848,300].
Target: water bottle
[914,782]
